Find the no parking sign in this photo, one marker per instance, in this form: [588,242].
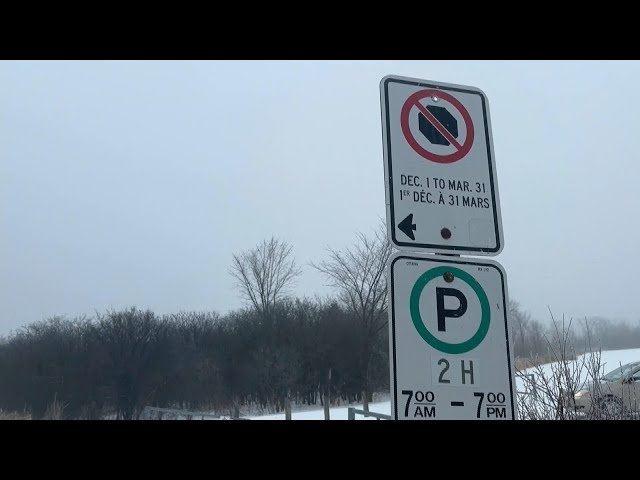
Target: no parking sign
[440,174]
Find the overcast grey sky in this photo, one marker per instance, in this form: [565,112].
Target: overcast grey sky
[133,183]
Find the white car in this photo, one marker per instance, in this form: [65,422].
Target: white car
[615,395]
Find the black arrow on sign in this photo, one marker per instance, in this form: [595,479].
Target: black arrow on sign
[407,226]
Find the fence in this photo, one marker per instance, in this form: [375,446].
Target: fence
[157,413]
[529,380]
[352,412]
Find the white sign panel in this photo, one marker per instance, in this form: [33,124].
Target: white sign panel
[451,355]
[440,174]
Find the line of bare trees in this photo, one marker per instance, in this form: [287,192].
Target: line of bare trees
[277,347]
[537,341]
[121,361]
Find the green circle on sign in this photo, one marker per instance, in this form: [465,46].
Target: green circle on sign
[414,307]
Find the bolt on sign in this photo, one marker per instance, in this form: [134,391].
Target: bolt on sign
[449,339]
[440,175]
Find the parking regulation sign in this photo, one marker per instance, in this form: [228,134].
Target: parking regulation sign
[440,174]
[450,344]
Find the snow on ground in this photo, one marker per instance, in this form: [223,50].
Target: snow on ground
[615,358]
[609,359]
[335,413]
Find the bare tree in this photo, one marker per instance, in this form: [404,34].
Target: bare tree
[359,275]
[264,273]
[136,345]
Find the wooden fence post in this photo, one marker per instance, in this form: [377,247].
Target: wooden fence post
[326,407]
[287,408]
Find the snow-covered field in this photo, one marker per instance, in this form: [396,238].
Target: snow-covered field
[609,360]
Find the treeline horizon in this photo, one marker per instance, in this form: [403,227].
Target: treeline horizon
[116,363]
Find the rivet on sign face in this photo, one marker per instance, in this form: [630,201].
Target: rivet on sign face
[448,277]
[434,98]
[446,233]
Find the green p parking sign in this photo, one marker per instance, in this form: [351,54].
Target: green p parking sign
[449,339]
[442,312]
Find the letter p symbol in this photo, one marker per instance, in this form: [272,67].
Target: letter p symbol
[444,313]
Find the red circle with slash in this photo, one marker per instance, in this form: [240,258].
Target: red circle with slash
[461,149]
